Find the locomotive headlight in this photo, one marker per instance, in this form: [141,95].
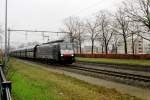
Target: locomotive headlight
[72,55]
[61,55]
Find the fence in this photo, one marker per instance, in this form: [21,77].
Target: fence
[5,86]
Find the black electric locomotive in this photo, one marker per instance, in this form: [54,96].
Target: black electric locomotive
[58,51]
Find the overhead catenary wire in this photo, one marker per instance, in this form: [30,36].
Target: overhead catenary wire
[41,31]
[36,31]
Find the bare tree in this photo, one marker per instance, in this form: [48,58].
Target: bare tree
[75,27]
[123,26]
[115,42]
[106,30]
[100,39]
[134,31]
[80,33]
[70,25]
[92,30]
[139,11]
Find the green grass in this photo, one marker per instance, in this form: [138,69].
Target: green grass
[116,61]
[34,82]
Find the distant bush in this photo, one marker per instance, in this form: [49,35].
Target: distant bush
[116,56]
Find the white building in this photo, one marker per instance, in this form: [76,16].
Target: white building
[141,46]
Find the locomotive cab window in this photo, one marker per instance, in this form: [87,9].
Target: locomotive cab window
[65,46]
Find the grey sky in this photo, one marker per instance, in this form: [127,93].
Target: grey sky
[48,14]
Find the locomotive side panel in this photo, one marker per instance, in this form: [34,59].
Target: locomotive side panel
[44,52]
[56,52]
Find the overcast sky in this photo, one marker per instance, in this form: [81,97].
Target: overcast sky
[48,14]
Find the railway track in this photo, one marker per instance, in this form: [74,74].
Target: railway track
[122,77]
[112,73]
[118,66]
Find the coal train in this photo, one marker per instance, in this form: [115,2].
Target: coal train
[55,51]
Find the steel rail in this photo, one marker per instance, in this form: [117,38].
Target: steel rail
[113,73]
[119,66]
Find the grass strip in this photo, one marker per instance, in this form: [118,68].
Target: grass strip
[115,61]
[33,82]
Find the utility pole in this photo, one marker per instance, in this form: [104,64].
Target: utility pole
[8,43]
[5,54]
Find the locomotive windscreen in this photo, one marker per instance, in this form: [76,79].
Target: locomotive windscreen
[66,46]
